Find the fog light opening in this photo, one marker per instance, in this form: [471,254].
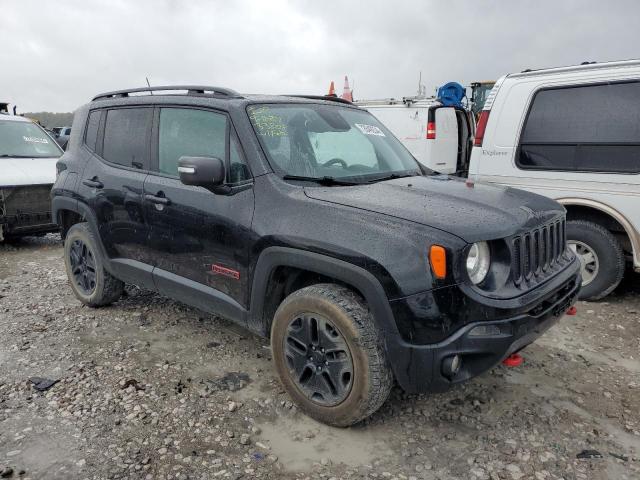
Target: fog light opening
[451,366]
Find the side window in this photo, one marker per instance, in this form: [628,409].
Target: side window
[126,137]
[188,132]
[238,169]
[197,133]
[93,123]
[592,128]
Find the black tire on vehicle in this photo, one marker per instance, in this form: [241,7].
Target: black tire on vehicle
[345,326]
[609,258]
[90,282]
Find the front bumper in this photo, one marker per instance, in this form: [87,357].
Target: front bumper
[25,210]
[419,368]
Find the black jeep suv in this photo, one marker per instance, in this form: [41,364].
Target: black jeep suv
[306,220]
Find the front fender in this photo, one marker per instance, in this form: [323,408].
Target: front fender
[357,277]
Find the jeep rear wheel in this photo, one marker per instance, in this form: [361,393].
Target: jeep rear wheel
[329,355]
[90,282]
[601,258]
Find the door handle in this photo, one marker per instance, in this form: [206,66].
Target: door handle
[93,182]
[156,199]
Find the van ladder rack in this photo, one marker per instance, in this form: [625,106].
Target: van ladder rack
[191,90]
[323,97]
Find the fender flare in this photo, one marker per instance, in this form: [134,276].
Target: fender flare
[127,270]
[59,203]
[359,278]
[613,213]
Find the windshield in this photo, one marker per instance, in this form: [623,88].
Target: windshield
[26,139]
[318,141]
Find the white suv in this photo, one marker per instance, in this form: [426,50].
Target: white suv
[573,134]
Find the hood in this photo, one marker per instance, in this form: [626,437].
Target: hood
[472,211]
[27,171]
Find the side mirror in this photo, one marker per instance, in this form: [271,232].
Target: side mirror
[207,172]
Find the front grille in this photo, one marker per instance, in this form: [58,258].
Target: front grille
[535,254]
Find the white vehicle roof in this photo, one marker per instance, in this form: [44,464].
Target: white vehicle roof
[577,68]
[15,118]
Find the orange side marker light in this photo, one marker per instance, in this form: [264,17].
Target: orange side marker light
[438,261]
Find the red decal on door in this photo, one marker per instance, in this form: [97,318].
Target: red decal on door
[227,272]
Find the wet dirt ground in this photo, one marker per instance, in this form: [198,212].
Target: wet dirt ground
[149,388]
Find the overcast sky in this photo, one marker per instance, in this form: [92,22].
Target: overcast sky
[55,55]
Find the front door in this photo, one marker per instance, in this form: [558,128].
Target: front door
[199,240]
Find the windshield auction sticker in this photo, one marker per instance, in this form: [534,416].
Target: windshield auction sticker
[267,123]
[370,130]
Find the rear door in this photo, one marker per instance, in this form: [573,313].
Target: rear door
[442,144]
[112,184]
[408,124]
[199,240]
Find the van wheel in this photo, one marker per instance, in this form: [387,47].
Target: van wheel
[601,258]
[329,355]
[90,282]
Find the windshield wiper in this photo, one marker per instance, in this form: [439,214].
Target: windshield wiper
[328,181]
[6,155]
[392,176]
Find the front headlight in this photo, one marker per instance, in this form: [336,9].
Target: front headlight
[478,262]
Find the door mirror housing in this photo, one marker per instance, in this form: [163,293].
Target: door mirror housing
[207,172]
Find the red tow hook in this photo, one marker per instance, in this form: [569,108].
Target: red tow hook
[572,310]
[513,360]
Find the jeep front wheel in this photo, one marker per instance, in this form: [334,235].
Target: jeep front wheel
[329,355]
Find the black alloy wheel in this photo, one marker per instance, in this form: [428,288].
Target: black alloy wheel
[319,359]
[83,266]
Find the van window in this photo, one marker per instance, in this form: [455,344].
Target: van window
[126,137]
[593,128]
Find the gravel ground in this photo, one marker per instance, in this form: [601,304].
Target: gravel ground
[149,388]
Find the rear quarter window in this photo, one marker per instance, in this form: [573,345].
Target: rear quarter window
[91,135]
[589,128]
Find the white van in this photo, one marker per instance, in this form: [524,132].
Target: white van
[573,134]
[438,136]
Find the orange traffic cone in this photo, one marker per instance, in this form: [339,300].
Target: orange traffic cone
[332,90]
[346,92]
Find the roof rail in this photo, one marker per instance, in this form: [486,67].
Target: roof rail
[576,68]
[191,90]
[329,98]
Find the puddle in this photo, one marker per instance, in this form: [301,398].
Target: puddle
[231,381]
[299,442]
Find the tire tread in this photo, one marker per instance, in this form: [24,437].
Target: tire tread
[616,256]
[380,375]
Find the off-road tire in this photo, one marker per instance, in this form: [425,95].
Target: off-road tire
[107,289]
[347,311]
[610,257]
